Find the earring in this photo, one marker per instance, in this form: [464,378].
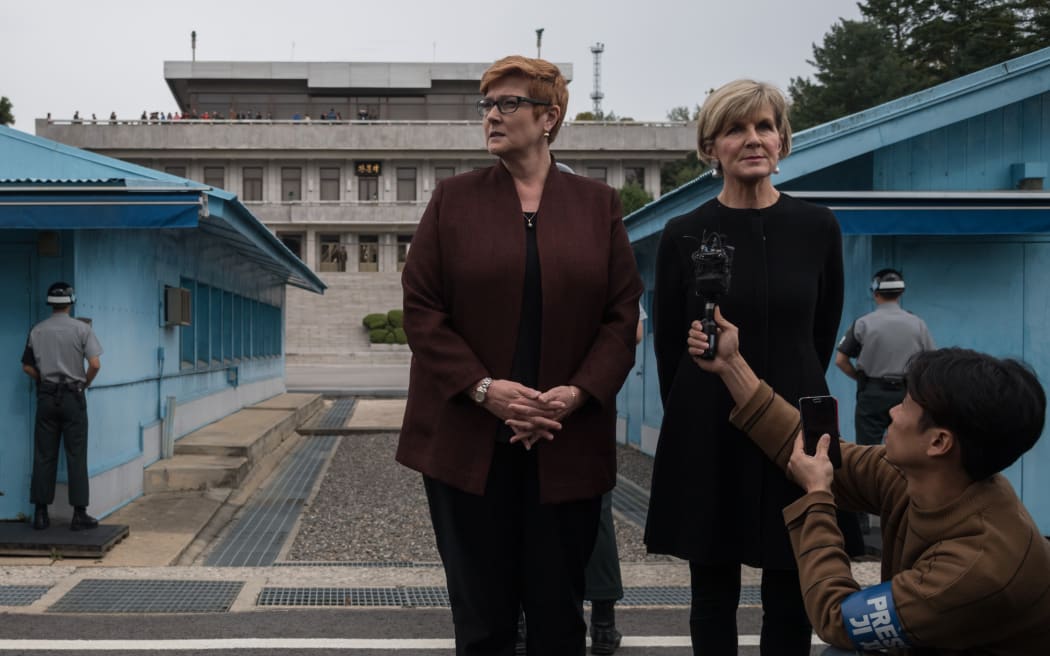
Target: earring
[716,169]
[547,135]
[776,168]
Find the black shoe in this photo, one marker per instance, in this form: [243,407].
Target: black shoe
[81,521]
[40,518]
[605,639]
[519,644]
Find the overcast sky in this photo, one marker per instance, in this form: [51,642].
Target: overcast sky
[108,55]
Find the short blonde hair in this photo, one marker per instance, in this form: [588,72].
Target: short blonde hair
[737,101]
[545,82]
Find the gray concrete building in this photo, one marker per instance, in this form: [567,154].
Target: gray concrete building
[339,161]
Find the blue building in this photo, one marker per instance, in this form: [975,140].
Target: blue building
[185,290]
[945,185]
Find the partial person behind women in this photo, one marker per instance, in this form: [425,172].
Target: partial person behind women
[521,302]
[715,500]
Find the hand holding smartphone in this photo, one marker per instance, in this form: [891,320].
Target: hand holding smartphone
[820,415]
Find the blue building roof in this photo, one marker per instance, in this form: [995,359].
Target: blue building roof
[838,141]
[46,185]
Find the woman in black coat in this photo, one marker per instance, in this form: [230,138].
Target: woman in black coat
[715,500]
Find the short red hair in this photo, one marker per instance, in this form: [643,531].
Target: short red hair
[545,82]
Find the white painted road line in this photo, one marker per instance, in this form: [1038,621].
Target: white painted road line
[218,644]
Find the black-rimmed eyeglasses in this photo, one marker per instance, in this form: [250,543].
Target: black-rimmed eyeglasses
[506,104]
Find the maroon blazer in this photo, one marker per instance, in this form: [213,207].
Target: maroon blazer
[463,282]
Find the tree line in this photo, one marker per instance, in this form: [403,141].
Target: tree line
[898,47]
[903,46]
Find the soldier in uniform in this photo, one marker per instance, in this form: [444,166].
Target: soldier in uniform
[54,357]
[882,342]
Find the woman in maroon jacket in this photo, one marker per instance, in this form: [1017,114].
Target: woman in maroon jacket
[521,302]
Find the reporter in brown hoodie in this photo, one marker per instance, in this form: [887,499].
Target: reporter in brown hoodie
[965,569]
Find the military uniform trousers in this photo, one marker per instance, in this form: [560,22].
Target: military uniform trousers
[61,415]
[875,397]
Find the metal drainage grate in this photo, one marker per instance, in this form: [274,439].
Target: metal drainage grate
[750,595]
[21,595]
[336,416]
[427,596]
[148,596]
[331,597]
[631,501]
[437,596]
[353,563]
[257,537]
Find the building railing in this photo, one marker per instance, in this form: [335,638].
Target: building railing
[317,121]
[388,212]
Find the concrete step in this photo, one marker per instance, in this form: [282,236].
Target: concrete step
[222,453]
[194,472]
[302,405]
[246,434]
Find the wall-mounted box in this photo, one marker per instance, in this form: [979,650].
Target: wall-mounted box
[178,306]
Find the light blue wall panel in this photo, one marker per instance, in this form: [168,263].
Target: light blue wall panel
[857,268]
[971,294]
[645,399]
[16,390]
[1032,147]
[120,277]
[975,154]
[1035,467]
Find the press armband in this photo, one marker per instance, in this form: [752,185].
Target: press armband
[871,620]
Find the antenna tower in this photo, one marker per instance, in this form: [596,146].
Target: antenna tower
[597,49]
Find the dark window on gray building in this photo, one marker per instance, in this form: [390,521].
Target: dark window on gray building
[329,183]
[291,183]
[367,189]
[215,176]
[406,183]
[442,172]
[403,243]
[253,183]
[368,253]
[634,175]
[333,253]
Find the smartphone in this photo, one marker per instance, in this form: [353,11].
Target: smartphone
[820,415]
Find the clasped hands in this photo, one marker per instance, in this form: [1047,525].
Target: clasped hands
[532,415]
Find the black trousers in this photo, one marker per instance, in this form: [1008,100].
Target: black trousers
[602,580]
[786,630]
[61,415]
[872,416]
[504,551]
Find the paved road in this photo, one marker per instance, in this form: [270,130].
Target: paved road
[404,632]
[386,380]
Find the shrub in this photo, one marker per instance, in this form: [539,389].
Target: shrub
[399,336]
[396,318]
[390,339]
[375,321]
[379,335]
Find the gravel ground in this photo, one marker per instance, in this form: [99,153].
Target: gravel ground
[368,508]
[371,509]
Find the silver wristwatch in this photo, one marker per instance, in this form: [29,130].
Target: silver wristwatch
[481,390]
